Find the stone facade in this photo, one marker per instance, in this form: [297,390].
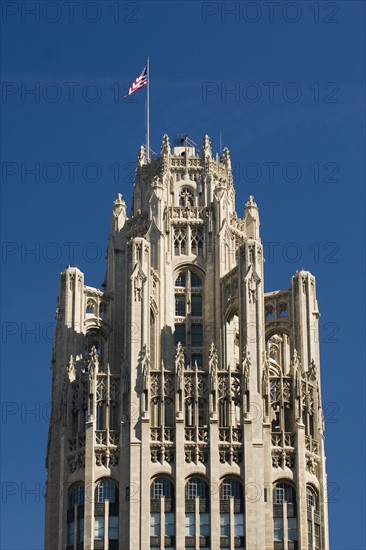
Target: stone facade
[186,404]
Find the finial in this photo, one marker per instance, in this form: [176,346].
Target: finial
[118,213]
[179,365]
[312,369]
[213,359]
[119,200]
[142,155]
[226,157]
[251,201]
[246,359]
[71,371]
[206,147]
[165,146]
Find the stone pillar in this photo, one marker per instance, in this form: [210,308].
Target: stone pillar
[305,316]
[251,326]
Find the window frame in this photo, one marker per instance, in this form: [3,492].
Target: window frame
[103,491]
[190,524]
[99,526]
[155,527]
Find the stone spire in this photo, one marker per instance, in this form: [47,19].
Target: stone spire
[226,158]
[165,146]
[118,213]
[251,218]
[141,159]
[206,147]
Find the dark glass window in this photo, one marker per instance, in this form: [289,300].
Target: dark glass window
[77,496]
[162,487]
[239,525]
[181,280]
[113,528]
[196,305]
[231,488]
[190,528]
[197,487]
[204,525]
[311,498]
[195,281]
[225,525]
[197,336]
[70,533]
[99,527]
[197,358]
[284,493]
[106,490]
[155,524]
[180,305]
[202,413]
[292,529]
[278,529]
[180,334]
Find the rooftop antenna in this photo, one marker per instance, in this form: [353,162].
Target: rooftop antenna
[220,144]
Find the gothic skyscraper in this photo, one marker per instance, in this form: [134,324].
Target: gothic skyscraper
[186,403]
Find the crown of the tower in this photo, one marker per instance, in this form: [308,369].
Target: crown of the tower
[183,166]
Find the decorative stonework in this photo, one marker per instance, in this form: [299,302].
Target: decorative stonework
[182,379]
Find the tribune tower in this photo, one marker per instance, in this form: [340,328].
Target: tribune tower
[186,403]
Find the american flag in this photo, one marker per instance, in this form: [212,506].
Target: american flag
[138,83]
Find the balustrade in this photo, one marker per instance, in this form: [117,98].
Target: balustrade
[311,445]
[282,439]
[106,437]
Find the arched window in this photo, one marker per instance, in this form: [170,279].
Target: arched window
[285,514]
[197,523]
[229,404]
[77,496]
[181,280]
[202,412]
[231,488]
[281,396]
[180,241]
[106,490]
[185,197]
[79,406]
[188,312]
[196,282]
[162,487]
[162,504]
[314,531]
[196,412]
[223,413]
[75,515]
[232,512]
[197,241]
[107,405]
[284,492]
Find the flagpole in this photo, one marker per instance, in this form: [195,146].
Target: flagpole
[148,109]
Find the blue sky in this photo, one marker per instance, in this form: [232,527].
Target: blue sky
[283,83]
